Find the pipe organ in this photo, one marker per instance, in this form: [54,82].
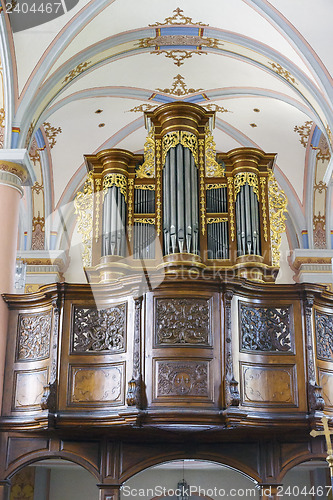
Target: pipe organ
[180,204]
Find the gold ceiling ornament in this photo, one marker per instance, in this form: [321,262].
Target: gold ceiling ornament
[147,169]
[323,153]
[279,70]
[277,201]
[29,133]
[118,180]
[143,107]
[178,19]
[80,68]
[188,40]
[182,137]
[37,188]
[213,168]
[304,132]
[216,108]
[246,177]
[51,133]
[83,204]
[320,187]
[179,55]
[179,87]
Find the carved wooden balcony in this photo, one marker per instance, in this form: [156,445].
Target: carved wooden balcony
[201,353]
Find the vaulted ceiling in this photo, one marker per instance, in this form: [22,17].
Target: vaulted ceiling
[80,82]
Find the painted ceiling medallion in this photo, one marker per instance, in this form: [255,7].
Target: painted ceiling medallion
[253,125]
[179,87]
[177,19]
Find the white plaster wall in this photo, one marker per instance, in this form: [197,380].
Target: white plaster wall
[69,483]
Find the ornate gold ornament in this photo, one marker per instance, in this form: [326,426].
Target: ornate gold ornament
[216,108]
[83,204]
[215,186]
[179,87]
[146,220]
[118,180]
[213,169]
[146,187]
[130,207]
[98,183]
[202,195]
[2,117]
[263,206]
[147,169]
[158,186]
[179,55]
[246,177]
[29,133]
[178,19]
[320,187]
[51,133]
[304,132]
[182,137]
[37,188]
[231,207]
[80,68]
[143,107]
[279,70]
[215,220]
[277,208]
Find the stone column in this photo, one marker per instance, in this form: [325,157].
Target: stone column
[12,176]
[108,492]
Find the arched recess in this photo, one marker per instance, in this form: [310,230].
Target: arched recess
[199,478]
[38,456]
[302,458]
[237,465]
[54,478]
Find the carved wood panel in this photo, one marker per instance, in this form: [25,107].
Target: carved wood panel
[33,336]
[324,335]
[268,329]
[182,321]
[98,331]
[28,389]
[182,379]
[269,385]
[326,382]
[102,384]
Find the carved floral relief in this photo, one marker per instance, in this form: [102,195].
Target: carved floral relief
[34,332]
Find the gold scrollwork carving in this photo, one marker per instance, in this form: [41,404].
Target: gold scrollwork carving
[215,220]
[130,208]
[213,168]
[158,186]
[148,187]
[215,186]
[98,183]
[277,207]
[182,137]
[118,180]
[202,185]
[83,204]
[263,206]
[147,169]
[146,220]
[246,177]
[231,207]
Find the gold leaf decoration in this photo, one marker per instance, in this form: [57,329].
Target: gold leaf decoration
[83,204]
[80,68]
[143,107]
[178,19]
[179,87]
[279,70]
[213,168]
[277,208]
[147,169]
[304,132]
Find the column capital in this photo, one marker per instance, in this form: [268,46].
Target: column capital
[16,158]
